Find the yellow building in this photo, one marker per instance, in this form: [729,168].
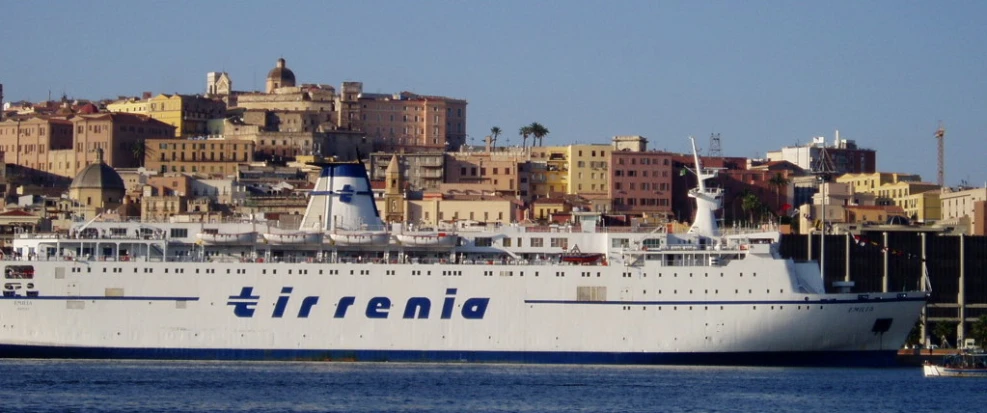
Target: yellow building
[870,182]
[187,113]
[131,105]
[588,173]
[896,193]
[434,209]
[549,171]
[923,206]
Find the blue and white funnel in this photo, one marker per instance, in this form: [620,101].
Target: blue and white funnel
[342,200]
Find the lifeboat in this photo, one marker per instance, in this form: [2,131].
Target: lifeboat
[575,256]
[294,238]
[428,239]
[360,238]
[213,238]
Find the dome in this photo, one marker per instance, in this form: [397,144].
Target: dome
[98,175]
[281,74]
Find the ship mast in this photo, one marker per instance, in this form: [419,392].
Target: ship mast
[824,169]
[707,199]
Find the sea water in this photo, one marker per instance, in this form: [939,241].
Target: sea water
[141,386]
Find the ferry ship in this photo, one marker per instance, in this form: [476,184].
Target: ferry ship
[347,287]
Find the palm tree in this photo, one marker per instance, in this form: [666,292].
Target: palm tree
[138,149]
[750,203]
[778,181]
[495,132]
[538,131]
[525,131]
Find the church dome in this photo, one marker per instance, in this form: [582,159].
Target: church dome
[282,75]
[98,175]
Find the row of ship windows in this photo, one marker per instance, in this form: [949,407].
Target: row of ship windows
[706,308]
[148,270]
[782,291]
[675,275]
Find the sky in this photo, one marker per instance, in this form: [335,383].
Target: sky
[762,74]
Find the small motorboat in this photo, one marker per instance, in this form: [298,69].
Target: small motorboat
[958,365]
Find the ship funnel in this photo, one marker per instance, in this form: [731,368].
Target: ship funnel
[342,199]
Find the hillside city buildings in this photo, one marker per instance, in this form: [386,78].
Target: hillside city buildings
[230,154]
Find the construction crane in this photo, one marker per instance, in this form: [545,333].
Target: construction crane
[941,136]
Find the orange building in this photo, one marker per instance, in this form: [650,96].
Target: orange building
[28,141]
[413,123]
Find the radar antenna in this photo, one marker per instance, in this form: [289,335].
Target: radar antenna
[714,150]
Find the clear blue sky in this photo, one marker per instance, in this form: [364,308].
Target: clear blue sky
[763,74]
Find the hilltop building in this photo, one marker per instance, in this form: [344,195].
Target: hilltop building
[189,114]
[845,156]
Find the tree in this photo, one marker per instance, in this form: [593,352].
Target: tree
[494,133]
[915,336]
[138,149]
[525,131]
[944,331]
[750,203]
[778,181]
[538,131]
[979,330]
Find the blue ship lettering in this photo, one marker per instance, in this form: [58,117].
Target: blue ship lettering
[475,308]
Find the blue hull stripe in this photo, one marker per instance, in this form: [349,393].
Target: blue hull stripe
[749,302]
[882,358]
[97,298]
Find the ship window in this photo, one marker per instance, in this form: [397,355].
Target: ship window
[19,272]
[179,233]
[320,272]
[261,271]
[483,241]
[289,272]
[104,269]
[166,270]
[537,242]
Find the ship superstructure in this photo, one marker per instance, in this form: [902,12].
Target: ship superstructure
[347,287]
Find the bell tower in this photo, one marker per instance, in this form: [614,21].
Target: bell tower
[393,194]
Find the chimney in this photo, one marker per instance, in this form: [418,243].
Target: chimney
[146,95]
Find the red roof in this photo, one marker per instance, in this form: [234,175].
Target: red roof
[16,213]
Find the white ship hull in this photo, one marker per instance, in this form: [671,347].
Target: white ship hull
[501,294]
[190,314]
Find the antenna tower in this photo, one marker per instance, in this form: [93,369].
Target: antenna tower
[714,146]
[941,137]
